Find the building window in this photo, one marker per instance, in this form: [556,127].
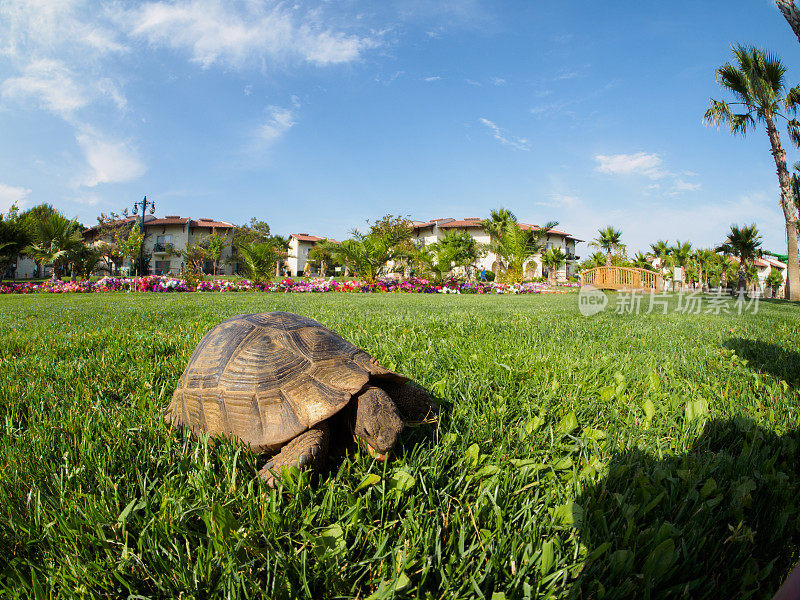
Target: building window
[162,267]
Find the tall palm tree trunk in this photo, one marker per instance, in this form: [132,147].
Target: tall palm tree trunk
[608,258]
[742,277]
[789,206]
[791,14]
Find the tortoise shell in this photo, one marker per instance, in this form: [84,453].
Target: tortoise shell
[266,378]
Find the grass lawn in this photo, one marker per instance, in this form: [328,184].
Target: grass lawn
[605,457]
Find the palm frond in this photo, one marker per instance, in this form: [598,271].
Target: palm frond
[736,80]
[793,127]
[740,123]
[718,113]
[792,100]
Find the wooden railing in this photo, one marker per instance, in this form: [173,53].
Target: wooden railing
[617,278]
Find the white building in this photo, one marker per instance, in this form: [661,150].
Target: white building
[165,237]
[430,232]
[297,261]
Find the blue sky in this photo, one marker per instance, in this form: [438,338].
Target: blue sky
[318,115]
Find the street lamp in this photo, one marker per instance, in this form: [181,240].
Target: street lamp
[144,203]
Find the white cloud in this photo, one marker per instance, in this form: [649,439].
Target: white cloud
[38,27]
[498,81]
[433,78]
[280,121]
[10,195]
[686,186]
[109,160]
[109,88]
[503,138]
[640,163]
[472,82]
[50,83]
[216,32]
[650,165]
[564,75]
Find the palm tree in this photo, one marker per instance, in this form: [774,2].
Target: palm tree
[757,83]
[437,260]
[640,262]
[608,239]
[54,239]
[704,258]
[320,253]
[553,259]
[745,242]
[660,250]
[498,219]
[367,254]
[86,259]
[774,281]
[257,259]
[791,14]
[516,247]
[681,253]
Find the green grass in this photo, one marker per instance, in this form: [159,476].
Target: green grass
[611,457]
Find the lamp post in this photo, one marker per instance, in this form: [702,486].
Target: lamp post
[144,203]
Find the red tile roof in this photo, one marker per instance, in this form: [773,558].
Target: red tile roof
[463,223]
[758,261]
[476,222]
[774,262]
[167,221]
[304,237]
[211,223]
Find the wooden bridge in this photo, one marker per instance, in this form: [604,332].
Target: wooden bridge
[618,278]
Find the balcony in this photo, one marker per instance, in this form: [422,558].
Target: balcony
[161,248]
[571,256]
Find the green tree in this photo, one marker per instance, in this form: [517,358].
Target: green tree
[757,83]
[704,258]
[368,254]
[681,254]
[258,259]
[553,259]
[609,240]
[516,247]
[53,240]
[13,238]
[130,245]
[598,259]
[320,254]
[498,221]
[194,257]
[213,245]
[660,250]
[774,281]
[455,249]
[745,243]
[86,259]
[640,262]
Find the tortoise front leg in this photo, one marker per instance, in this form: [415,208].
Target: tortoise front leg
[415,403]
[307,450]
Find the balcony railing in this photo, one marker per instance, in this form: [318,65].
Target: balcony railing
[162,248]
[573,257]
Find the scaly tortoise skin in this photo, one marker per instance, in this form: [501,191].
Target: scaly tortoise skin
[273,380]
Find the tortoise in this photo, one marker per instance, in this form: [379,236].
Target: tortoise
[281,382]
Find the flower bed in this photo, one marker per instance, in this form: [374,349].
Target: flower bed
[159,284]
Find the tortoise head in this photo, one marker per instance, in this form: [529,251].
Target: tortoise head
[378,424]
